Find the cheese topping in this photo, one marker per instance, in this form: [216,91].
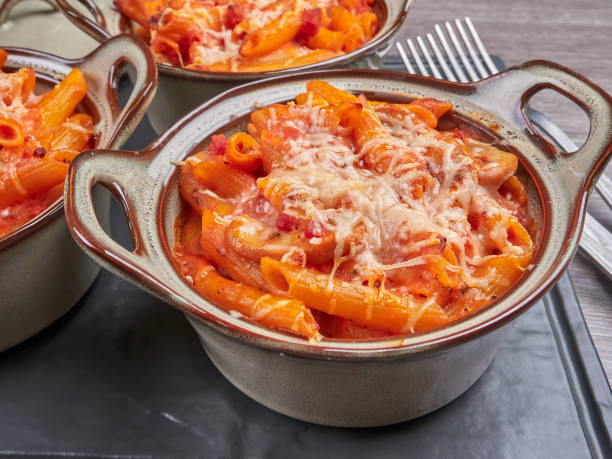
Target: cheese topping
[377,213]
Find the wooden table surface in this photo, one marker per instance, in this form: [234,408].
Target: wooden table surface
[577,34]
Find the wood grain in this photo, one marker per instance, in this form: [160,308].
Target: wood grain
[577,35]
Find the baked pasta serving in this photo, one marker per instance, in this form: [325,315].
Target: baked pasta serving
[348,218]
[39,135]
[251,35]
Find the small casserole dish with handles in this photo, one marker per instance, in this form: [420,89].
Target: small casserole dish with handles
[181,89]
[43,271]
[343,382]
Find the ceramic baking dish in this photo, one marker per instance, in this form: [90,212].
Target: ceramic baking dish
[336,382]
[42,271]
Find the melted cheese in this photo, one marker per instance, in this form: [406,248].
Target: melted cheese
[323,179]
[12,104]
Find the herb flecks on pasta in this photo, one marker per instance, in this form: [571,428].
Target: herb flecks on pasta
[251,36]
[350,218]
[39,135]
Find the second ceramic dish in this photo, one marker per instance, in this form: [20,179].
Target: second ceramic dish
[180,90]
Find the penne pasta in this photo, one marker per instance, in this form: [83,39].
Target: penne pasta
[364,305]
[11,134]
[272,310]
[220,177]
[57,105]
[216,249]
[325,38]
[243,152]
[33,177]
[249,36]
[271,36]
[74,134]
[341,19]
[39,136]
[363,211]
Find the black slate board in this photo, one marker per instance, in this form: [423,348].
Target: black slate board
[123,375]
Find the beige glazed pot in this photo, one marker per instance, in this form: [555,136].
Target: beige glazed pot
[180,90]
[42,271]
[339,382]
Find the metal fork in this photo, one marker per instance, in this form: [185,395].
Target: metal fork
[596,240]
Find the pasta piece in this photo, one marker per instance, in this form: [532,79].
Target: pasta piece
[427,116]
[272,36]
[274,311]
[438,107]
[329,93]
[498,165]
[369,24]
[255,240]
[31,178]
[364,305]
[243,152]
[222,178]
[74,134]
[316,55]
[187,233]
[135,10]
[216,249]
[327,39]
[11,134]
[196,194]
[342,19]
[378,150]
[353,38]
[310,99]
[57,105]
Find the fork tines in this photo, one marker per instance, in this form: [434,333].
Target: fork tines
[440,58]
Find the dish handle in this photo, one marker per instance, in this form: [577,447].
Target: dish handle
[102,69]
[508,93]
[124,173]
[96,27]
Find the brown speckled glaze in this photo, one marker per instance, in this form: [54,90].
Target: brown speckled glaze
[340,382]
[180,90]
[42,271]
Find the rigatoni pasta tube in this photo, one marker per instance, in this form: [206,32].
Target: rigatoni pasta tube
[365,305]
